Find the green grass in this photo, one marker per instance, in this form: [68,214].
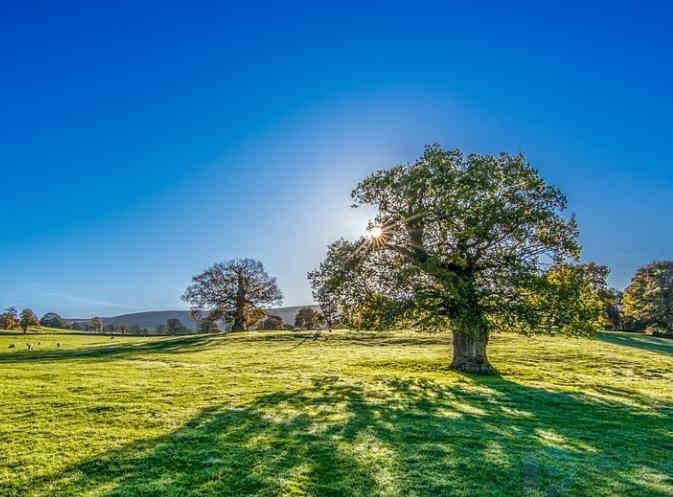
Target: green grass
[350,414]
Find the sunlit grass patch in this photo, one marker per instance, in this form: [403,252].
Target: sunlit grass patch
[348,414]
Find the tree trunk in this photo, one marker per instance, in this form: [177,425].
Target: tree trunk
[469,351]
[239,316]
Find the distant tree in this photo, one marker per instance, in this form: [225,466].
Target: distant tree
[96,324]
[612,308]
[109,328]
[135,330]
[174,325]
[462,239]
[123,329]
[272,322]
[306,318]
[233,291]
[9,319]
[79,326]
[567,300]
[205,326]
[648,300]
[162,329]
[53,320]
[28,319]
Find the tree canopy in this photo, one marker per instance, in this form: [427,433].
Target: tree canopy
[28,319]
[648,300]
[306,318]
[458,241]
[9,319]
[53,320]
[233,291]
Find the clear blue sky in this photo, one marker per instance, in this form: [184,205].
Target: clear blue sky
[141,142]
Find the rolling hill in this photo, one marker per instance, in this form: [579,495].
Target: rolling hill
[153,319]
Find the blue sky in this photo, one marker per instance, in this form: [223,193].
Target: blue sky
[141,142]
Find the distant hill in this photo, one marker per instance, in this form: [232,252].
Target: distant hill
[153,319]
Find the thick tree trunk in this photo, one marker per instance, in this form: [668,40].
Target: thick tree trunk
[239,316]
[469,351]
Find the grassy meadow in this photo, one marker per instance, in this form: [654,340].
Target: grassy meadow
[346,414]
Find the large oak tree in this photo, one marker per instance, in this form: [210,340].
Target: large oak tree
[464,241]
[233,291]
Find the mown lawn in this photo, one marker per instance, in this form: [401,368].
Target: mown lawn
[349,414]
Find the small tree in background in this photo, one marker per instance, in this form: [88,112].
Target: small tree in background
[648,300]
[306,318]
[205,326]
[96,324]
[272,322]
[53,320]
[233,291]
[174,325]
[9,319]
[28,319]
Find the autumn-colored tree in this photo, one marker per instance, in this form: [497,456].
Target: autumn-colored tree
[233,291]
[9,319]
[28,319]
[306,318]
[648,300]
[272,322]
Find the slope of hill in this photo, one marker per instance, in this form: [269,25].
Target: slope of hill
[152,319]
[349,414]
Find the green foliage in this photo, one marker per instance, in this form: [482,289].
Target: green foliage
[347,415]
[53,320]
[567,301]
[233,291]
[27,319]
[464,238]
[376,312]
[648,300]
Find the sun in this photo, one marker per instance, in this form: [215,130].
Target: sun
[375,231]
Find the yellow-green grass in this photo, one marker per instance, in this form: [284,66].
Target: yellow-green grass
[352,414]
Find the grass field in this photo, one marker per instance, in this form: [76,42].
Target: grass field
[350,414]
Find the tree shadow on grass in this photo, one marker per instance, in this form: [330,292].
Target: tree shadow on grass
[392,437]
[361,338]
[638,341]
[113,351]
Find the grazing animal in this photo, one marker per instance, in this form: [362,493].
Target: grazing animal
[39,343]
[29,346]
[58,344]
[11,345]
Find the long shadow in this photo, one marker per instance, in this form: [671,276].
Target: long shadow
[114,350]
[374,339]
[491,437]
[638,341]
